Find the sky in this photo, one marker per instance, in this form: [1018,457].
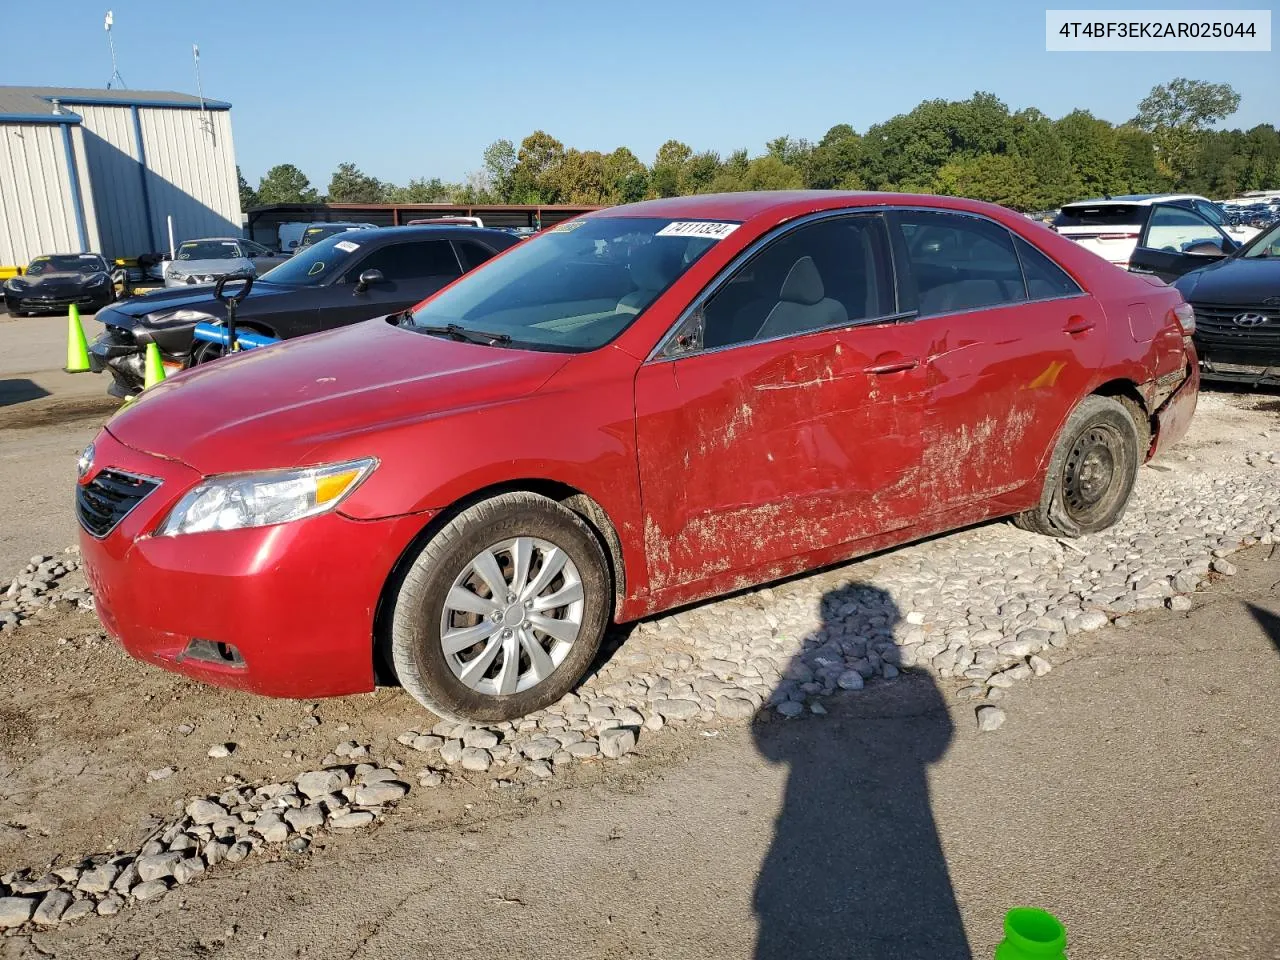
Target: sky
[418,88]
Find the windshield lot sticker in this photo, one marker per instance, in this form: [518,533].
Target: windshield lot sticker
[567,227]
[697,228]
[346,246]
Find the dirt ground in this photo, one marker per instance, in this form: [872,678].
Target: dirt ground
[1132,791]
[84,724]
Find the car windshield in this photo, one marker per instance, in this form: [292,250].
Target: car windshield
[316,234]
[314,265]
[66,263]
[577,285]
[1266,244]
[208,250]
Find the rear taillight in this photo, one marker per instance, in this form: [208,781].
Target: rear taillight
[1186,318]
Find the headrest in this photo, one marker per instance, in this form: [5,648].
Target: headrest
[654,265]
[803,283]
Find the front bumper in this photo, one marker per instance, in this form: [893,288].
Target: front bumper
[28,303]
[296,601]
[1252,374]
[117,351]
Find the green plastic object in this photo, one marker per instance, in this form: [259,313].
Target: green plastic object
[1031,934]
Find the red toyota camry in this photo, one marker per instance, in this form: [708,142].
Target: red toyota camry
[636,409]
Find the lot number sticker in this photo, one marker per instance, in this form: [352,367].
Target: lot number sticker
[346,246]
[698,228]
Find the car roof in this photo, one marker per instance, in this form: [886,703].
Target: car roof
[745,206]
[212,240]
[1138,199]
[446,231]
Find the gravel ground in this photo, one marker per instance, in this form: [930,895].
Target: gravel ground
[110,767]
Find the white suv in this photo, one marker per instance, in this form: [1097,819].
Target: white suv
[1110,227]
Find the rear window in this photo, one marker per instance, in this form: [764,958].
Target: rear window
[1101,215]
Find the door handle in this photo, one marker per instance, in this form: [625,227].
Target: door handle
[1078,325]
[887,366]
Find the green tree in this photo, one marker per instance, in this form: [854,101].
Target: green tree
[1001,178]
[1176,114]
[579,177]
[539,153]
[700,172]
[349,185]
[419,190]
[762,173]
[626,176]
[666,177]
[499,164]
[248,196]
[285,183]
[833,163]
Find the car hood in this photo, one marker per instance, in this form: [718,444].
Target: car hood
[321,398]
[59,281]
[126,312]
[1237,281]
[219,266]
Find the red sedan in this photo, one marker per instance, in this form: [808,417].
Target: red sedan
[642,407]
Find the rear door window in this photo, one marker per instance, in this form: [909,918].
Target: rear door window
[957,262]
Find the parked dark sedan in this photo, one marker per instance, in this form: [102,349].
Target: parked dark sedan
[52,283]
[1237,305]
[340,280]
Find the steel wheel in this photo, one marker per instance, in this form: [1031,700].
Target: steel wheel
[511,616]
[1090,470]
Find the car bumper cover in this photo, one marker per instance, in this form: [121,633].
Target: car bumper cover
[285,610]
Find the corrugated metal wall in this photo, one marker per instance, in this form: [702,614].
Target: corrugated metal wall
[37,214]
[115,176]
[191,165]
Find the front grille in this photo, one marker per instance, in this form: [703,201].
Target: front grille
[108,498]
[1215,323]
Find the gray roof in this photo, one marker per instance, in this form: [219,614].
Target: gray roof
[34,102]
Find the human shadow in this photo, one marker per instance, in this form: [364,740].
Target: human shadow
[1268,621]
[856,868]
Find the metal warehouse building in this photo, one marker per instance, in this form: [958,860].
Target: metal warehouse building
[102,170]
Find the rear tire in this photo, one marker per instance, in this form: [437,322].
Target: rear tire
[1092,471]
[467,651]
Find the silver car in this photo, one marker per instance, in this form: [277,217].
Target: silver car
[204,261]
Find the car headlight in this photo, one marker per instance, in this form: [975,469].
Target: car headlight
[15,285]
[238,501]
[97,281]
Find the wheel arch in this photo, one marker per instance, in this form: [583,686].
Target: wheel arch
[1130,394]
[570,497]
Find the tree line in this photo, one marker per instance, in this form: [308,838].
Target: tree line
[974,148]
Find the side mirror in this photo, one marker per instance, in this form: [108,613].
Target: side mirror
[368,278]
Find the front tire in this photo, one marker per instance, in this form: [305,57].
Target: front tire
[502,611]
[1091,473]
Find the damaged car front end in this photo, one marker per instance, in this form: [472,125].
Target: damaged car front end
[120,349]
